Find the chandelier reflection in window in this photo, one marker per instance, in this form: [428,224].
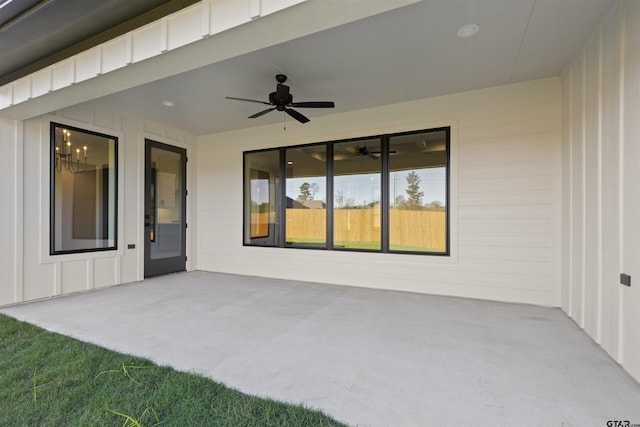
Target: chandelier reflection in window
[68,158]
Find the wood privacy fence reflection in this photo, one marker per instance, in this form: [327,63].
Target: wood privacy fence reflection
[259,224]
[418,229]
[407,229]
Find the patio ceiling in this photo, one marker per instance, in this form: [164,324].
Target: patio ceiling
[405,54]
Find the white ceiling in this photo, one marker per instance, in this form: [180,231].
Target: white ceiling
[405,54]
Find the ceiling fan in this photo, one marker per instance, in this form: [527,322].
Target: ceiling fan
[364,151]
[282,100]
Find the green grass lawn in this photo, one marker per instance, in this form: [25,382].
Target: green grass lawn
[47,379]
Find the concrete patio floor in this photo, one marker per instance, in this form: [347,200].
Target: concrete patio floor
[365,357]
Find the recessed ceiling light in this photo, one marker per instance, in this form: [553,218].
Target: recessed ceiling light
[168,103]
[289,162]
[468,30]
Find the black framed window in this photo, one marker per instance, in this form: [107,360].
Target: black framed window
[387,193]
[83,190]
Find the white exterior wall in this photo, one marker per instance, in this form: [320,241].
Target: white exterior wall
[505,198]
[10,208]
[25,250]
[601,177]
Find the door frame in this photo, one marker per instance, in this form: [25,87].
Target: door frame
[171,264]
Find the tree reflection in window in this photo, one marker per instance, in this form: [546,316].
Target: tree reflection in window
[388,193]
[357,194]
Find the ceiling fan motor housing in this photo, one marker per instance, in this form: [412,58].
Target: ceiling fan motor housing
[281,97]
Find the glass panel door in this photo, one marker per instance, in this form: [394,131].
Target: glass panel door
[165,209]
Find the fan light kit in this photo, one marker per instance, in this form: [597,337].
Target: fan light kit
[282,100]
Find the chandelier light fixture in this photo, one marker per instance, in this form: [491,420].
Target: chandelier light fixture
[65,155]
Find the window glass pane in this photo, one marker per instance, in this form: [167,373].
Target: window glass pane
[306,196]
[83,200]
[418,192]
[165,216]
[262,198]
[356,198]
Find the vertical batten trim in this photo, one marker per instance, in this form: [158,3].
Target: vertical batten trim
[74,71]
[50,69]
[164,35]
[101,54]
[44,190]
[57,278]
[128,47]
[206,18]
[621,99]
[557,249]
[571,284]
[118,269]
[18,231]
[599,269]
[121,253]
[99,60]
[583,190]
[89,274]
[141,176]
[254,9]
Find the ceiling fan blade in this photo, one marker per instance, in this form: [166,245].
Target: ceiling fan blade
[313,104]
[247,100]
[261,113]
[299,117]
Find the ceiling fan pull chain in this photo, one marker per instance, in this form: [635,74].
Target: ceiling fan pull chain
[284,121]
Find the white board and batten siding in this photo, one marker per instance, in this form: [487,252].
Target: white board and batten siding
[32,273]
[10,209]
[601,177]
[505,198]
[186,26]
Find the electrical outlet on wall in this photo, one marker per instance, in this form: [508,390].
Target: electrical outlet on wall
[625,279]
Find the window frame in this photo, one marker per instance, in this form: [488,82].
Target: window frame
[384,196]
[52,205]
